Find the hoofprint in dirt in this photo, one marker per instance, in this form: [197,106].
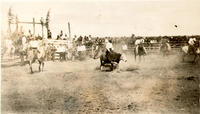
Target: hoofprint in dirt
[155,86]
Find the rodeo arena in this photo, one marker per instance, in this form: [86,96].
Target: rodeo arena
[71,74]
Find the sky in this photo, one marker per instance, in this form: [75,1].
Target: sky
[109,18]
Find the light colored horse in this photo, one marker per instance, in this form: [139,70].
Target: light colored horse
[36,54]
[98,51]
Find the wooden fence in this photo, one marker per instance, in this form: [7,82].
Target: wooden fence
[152,48]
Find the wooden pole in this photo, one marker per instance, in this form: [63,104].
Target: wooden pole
[42,23]
[16,24]
[21,22]
[9,28]
[92,50]
[33,27]
[69,31]
[42,31]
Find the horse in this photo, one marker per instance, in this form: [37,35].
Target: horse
[36,54]
[185,52]
[139,50]
[81,52]
[98,50]
[21,48]
[165,48]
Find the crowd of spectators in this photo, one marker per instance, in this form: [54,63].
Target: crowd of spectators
[89,41]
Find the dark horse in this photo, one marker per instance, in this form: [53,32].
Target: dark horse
[139,51]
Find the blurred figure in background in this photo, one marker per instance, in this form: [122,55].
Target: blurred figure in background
[48,52]
[191,48]
[139,44]
[53,52]
[124,47]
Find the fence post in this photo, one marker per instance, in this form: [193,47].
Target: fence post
[69,31]
[16,24]
[92,50]
[33,27]
[42,31]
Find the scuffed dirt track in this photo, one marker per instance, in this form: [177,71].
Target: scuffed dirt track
[156,86]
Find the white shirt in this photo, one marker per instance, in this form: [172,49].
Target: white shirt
[81,48]
[192,41]
[23,40]
[33,43]
[124,47]
[153,41]
[139,41]
[109,46]
[61,49]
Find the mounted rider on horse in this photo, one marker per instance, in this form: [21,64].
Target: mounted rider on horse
[165,47]
[139,45]
[191,48]
[108,56]
[139,48]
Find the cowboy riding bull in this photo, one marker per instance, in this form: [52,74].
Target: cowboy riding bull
[110,58]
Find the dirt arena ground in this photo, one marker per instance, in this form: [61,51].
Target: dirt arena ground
[155,86]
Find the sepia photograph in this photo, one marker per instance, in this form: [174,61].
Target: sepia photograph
[100,56]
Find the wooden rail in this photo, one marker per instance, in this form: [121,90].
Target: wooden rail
[17,22]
